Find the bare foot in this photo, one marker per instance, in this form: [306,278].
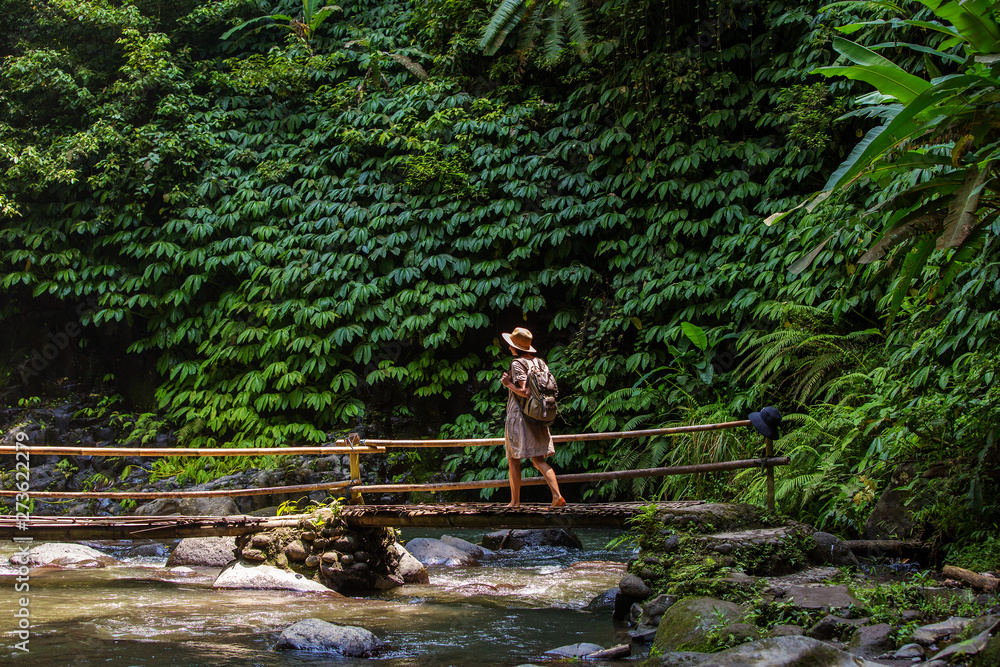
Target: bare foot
[514,505]
[558,502]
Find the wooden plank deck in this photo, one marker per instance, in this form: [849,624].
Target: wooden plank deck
[450,515]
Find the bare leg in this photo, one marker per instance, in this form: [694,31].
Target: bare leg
[514,466]
[550,478]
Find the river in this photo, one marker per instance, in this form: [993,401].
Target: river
[504,612]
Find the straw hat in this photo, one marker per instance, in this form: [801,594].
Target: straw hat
[519,339]
[766,422]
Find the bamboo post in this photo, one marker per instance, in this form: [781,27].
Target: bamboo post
[354,440]
[768,453]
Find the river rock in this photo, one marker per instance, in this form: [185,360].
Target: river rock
[962,652]
[990,655]
[936,632]
[892,518]
[189,507]
[435,552]
[909,652]
[208,551]
[835,627]
[266,577]
[871,641]
[473,550]
[410,570]
[773,652]
[819,597]
[57,554]
[690,620]
[541,537]
[574,650]
[635,588]
[150,550]
[785,631]
[831,549]
[603,601]
[313,634]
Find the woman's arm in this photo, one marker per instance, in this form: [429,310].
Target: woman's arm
[521,390]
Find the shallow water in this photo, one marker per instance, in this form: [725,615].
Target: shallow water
[506,612]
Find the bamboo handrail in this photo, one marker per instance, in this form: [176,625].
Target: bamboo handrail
[215,493]
[343,445]
[579,477]
[354,446]
[43,450]
[566,437]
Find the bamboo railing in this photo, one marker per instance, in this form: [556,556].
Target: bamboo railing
[354,446]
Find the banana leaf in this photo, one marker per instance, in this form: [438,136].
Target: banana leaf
[890,81]
[900,128]
[972,19]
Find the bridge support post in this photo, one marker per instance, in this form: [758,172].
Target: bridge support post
[768,453]
[354,440]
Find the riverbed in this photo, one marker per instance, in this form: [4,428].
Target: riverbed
[507,611]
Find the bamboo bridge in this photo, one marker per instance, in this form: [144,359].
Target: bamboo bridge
[464,515]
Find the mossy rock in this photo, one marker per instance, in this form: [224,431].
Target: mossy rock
[691,623]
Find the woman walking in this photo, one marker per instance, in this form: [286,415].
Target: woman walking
[521,438]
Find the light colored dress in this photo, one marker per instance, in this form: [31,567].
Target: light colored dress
[521,439]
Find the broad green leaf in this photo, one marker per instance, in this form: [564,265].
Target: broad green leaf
[695,334]
[890,81]
[972,19]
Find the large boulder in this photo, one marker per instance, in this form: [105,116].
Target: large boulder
[313,634]
[893,517]
[574,650]
[410,570]
[473,550]
[871,641]
[189,507]
[435,552]
[209,551]
[688,623]
[774,652]
[540,537]
[58,554]
[266,577]
[831,549]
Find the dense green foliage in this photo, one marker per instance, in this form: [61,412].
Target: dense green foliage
[310,235]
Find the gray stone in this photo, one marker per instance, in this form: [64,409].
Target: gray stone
[689,622]
[435,552]
[963,651]
[574,650]
[208,551]
[151,550]
[909,651]
[773,652]
[541,537]
[57,554]
[313,634]
[189,507]
[473,550]
[786,631]
[296,551]
[871,641]
[835,627]
[831,549]
[633,587]
[409,569]
[603,601]
[926,635]
[739,633]
[820,597]
[892,516]
[643,633]
[266,577]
